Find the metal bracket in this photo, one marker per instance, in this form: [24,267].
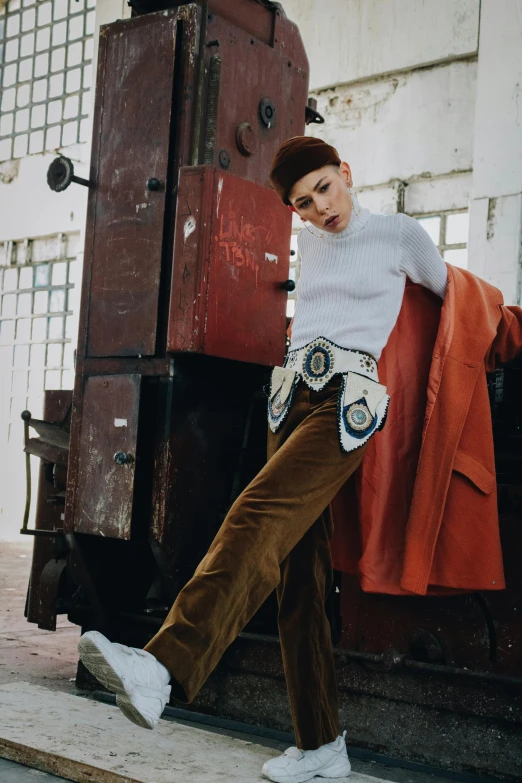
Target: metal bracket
[311,113]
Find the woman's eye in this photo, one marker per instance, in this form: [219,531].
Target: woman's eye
[305,204]
[325,187]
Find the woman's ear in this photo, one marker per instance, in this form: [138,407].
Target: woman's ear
[346,173]
[297,213]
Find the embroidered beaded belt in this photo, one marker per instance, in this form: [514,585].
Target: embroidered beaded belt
[363,401]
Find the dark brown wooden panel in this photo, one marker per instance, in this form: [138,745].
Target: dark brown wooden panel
[135,84]
[186,327]
[104,490]
[49,511]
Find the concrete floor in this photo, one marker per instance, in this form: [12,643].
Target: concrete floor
[11,772]
[28,654]
[49,659]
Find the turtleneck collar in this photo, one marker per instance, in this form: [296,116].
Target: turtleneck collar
[356,223]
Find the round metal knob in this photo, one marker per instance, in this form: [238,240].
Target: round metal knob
[26,415]
[122,458]
[288,285]
[246,139]
[267,112]
[60,174]
[153,184]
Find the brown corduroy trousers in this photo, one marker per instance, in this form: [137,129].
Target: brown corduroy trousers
[276,535]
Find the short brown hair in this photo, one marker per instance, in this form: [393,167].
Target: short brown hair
[296,158]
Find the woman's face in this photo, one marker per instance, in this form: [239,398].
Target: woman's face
[322,197]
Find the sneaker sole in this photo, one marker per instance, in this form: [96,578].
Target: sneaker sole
[94,660]
[132,713]
[303,777]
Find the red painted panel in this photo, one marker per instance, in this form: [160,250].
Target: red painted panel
[231,255]
[252,71]
[250,255]
[133,129]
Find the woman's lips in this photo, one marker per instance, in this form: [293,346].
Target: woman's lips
[331,222]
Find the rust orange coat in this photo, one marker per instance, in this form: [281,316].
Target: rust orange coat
[421,516]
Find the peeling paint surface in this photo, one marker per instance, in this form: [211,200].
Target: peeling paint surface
[189,227]
[356,40]
[399,127]
[9,171]
[219,191]
[492,205]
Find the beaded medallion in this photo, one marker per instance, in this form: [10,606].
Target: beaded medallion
[361,411]
[318,363]
[358,419]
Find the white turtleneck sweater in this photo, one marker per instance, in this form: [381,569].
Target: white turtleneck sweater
[352,283]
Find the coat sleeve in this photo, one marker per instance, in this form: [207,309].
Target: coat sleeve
[508,341]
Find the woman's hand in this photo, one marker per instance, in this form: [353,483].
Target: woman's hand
[289,330]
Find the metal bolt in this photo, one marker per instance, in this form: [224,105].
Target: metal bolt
[122,458]
[224,159]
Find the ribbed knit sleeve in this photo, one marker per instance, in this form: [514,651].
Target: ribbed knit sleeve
[420,259]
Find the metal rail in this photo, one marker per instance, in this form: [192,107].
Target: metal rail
[198,113]
[389,661]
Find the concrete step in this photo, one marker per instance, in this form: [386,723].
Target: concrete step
[83,740]
[51,736]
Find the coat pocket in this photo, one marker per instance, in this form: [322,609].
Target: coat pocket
[481,477]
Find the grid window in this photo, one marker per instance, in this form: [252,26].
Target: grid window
[45,57]
[37,324]
[449,231]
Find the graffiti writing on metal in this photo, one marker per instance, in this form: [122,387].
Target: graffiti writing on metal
[242,242]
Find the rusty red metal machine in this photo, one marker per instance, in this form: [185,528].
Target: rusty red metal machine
[183,313]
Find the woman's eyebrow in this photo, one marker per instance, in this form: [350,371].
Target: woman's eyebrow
[316,187]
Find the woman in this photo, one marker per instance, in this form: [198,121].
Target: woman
[324,406]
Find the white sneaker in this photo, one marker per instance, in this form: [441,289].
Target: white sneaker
[139,680]
[296,766]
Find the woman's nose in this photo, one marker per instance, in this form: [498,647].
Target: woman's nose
[322,204]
